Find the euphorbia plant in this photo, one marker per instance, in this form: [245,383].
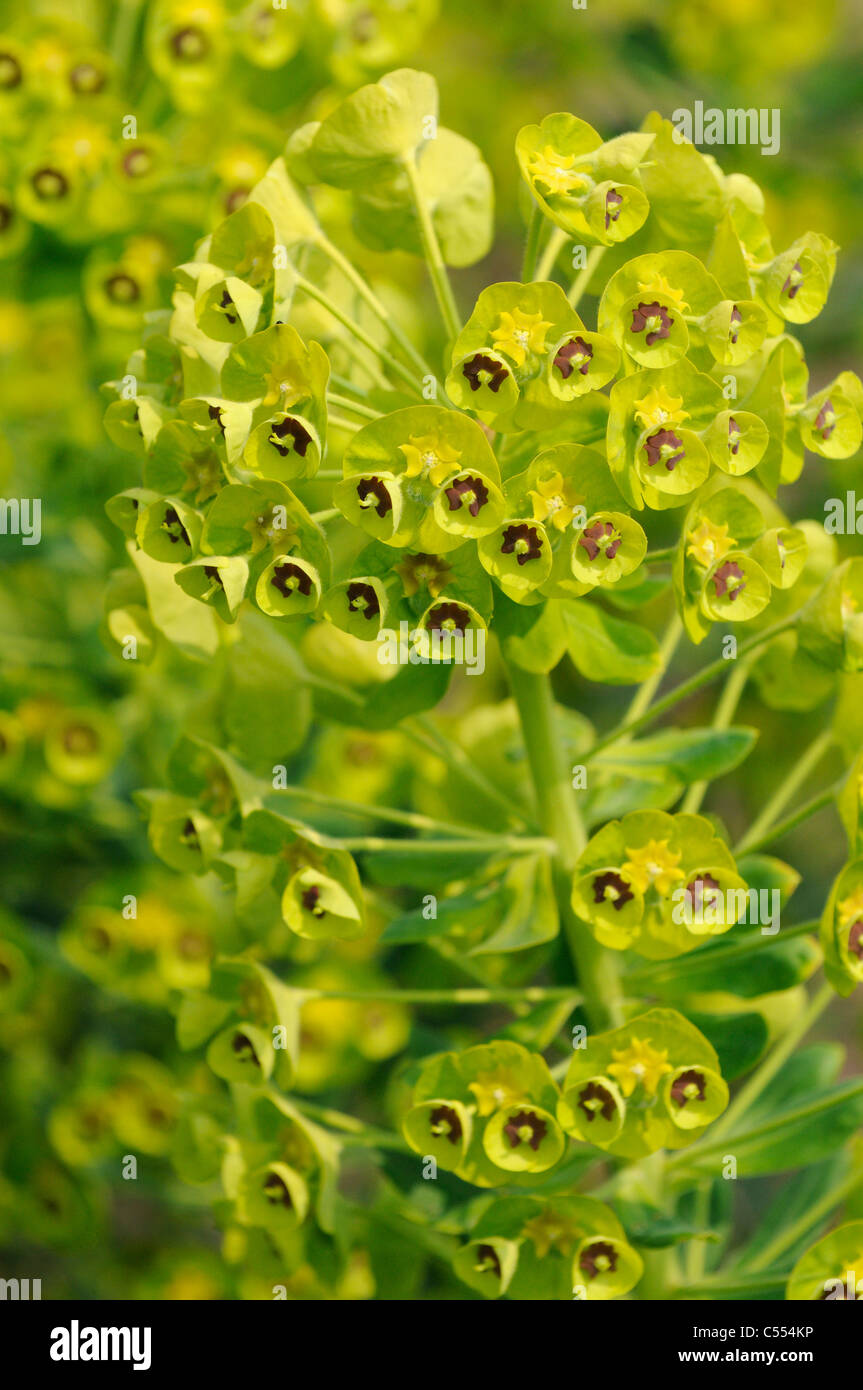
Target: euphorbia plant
[313,482]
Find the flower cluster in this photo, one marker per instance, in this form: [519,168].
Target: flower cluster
[566,1247]
[652,1084]
[487,1114]
[636,873]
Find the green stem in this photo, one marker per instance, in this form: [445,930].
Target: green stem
[355,407]
[783,827]
[424,732]
[392,364]
[667,647]
[363,360]
[431,248]
[688,687]
[372,811]
[582,279]
[123,38]
[365,291]
[796,776]
[650,1178]
[558,812]
[493,844]
[493,994]
[660,557]
[553,248]
[340,423]
[726,707]
[531,246]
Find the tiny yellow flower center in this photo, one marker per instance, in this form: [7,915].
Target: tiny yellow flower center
[653,864]
[709,543]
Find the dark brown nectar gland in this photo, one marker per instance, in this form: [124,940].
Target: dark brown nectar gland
[612,888]
[7,217]
[290,429]
[613,204]
[137,163]
[448,617]
[525,1128]
[653,320]
[736,320]
[598,1258]
[226,304]
[311,901]
[86,79]
[573,356]
[733,436]
[276,1192]
[80,740]
[826,420]
[481,370]
[695,891]
[793,281]
[470,492]
[595,1099]
[523,541]
[190,45]
[290,579]
[363,599]
[174,528]
[49,185]
[242,1046]
[189,836]
[372,492]
[120,288]
[11,75]
[664,447]
[444,1123]
[690,1086]
[728,581]
[487,1261]
[600,537]
[234,199]
[855,940]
